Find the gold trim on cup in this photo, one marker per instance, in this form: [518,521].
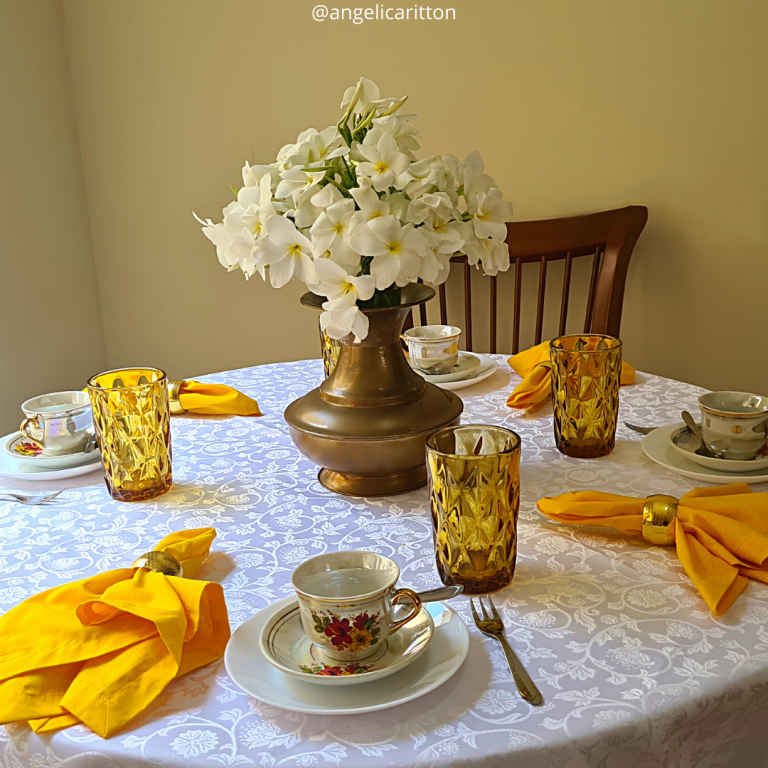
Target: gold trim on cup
[659,512]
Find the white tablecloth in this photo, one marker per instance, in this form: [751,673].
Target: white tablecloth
[633,668]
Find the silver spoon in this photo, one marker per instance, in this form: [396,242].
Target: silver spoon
[694,427]
[441,593]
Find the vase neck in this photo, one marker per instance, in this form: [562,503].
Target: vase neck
[374,372]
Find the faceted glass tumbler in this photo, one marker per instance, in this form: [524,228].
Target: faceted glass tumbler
[586,375]
[330,349]
[473,473]
[132,420]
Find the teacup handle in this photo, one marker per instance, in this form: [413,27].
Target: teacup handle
[397,598]
[37,421]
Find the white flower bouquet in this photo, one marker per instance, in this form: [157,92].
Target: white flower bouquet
[351,213]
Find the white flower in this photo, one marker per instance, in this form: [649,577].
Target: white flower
[331,232]
[371,207]
[492,254]
[490,212]
[423,176]
[287,252]
[295,181]
[396,251]
[343,290]
[253,174]
[384,162]
[340,323]
[402,130]
[437,205]
[219,236]
[368,96]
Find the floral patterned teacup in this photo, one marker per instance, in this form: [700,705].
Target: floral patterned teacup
[347,602]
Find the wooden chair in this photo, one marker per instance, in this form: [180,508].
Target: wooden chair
[608,237]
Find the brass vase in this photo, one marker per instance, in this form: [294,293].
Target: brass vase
[366,425]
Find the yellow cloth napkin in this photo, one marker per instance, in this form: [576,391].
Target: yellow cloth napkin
[721,534]
[100,650]
[197,397]
[536,369]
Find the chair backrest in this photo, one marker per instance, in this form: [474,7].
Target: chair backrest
[608,237]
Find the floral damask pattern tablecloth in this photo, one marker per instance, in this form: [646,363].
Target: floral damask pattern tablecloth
[633,668]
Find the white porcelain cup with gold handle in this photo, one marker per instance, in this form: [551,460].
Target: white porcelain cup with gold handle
[60,422]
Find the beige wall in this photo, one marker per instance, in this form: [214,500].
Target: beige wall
[576,106]
[51,321]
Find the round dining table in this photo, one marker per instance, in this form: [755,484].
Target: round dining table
[633,668]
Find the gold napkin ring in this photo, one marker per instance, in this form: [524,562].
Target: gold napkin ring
[174,385]
[659,513]
[160,562]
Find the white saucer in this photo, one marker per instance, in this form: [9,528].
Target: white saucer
[488,366]
[465,368]
[250,670]
[658,448]
[17,469]
[686,444]
[286,646]
[16,443]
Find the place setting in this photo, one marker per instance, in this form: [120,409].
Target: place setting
[56,440]
[727,444]
[433,352]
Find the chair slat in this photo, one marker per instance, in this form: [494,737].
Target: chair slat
[443,306]
[540,302]
[493,314]
[566,293]
[516,320]
[468,303]
[592,288]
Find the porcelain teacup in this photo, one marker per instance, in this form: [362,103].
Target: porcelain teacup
[347,600]
[433,349]
[734,425]
[61,422]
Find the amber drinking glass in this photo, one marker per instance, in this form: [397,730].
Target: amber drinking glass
[586,374]
[330,348]
[474,496]
[131,416]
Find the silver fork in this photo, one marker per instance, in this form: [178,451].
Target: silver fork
[493,626]
[33,500]
[639,430]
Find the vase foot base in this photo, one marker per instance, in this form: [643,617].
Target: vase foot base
[365,485]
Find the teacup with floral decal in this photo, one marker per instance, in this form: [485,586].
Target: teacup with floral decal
[347,602]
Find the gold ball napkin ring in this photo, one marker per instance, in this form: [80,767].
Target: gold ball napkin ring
[659,512]
[160,562]
[174,385]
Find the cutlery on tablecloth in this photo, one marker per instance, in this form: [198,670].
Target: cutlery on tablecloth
[493,626]
[33,500]
[638,429]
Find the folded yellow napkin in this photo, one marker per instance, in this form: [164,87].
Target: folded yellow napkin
[721,534]
[100,650]
[536,369]
[197,397]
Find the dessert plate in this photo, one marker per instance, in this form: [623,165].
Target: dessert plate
[686,444]
[19,447]
[658,447]
[250,670]
[286,646]
[466,367]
